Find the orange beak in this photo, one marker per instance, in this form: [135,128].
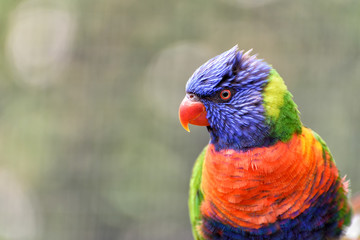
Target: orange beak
[192,111]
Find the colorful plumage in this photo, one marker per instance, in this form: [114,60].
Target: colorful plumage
[263,175]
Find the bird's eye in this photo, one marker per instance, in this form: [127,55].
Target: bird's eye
[225,94]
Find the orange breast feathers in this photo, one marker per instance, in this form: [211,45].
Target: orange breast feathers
[264,185]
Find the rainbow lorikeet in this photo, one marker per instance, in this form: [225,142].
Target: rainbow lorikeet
[263,174]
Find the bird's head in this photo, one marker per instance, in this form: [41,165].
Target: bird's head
[240,99]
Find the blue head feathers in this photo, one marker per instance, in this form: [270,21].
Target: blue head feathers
[238,122]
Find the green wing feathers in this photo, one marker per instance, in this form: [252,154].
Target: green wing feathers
[196,196]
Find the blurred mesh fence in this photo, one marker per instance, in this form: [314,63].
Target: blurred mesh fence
[90,144]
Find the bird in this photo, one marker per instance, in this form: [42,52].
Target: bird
[263,174]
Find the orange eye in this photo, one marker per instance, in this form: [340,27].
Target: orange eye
[225,94]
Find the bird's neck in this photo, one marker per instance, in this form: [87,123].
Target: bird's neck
[242,141]
[262,132]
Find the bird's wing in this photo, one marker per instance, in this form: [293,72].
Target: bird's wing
[345,211]
[196,196]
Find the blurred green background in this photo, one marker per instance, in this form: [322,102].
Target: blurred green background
[90,144]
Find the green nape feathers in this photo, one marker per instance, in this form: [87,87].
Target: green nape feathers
[282,113]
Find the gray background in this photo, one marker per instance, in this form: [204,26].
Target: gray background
[90,143]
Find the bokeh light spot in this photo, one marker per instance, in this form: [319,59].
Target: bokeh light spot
[16,209]
[39,43]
